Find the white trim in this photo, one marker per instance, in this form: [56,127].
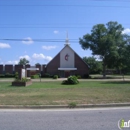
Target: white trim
[67,68]
[32,68]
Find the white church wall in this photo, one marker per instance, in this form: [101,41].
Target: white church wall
[67,58]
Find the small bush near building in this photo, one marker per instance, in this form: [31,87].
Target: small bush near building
[70,80]
[2,75]
[47,75]
[36,76]
[78,77]
[86,76]
[16,75]
[55,77]
[8,75]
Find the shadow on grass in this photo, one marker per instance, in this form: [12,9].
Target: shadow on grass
[11,86]
[107,78]
[116,82]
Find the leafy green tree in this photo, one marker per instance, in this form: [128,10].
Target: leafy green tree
[125,54]
[104,41]
[37,64]
[23,61]
[122,63]
[95,66]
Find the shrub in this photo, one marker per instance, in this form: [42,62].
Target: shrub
[16,75]
[35,76]
[71,80]
[55,77]
[8,75]
[65,82]
[25,80]
[78,77]
[47,75]
[2,75]
[22,80]
[86,76]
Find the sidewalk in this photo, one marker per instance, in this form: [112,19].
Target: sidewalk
[61,79]
[64,106]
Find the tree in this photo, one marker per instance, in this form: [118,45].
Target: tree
[125,54]
[23,61]
[104,41]
[37,64]
[95,66]
[122,63]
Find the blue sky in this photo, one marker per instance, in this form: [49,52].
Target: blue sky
[36,29]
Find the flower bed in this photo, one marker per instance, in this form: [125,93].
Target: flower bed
[18,83]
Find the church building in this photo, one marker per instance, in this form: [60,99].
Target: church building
[67,62]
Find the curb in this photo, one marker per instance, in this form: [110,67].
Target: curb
[63,106]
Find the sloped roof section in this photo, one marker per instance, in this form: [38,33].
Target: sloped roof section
[67,45]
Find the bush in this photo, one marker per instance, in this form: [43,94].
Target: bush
[47,75]
[16,75]
[55,77]
[8,75]
[71,80]
[78,77]
[25,80]
[34,76]
[2,75]
[22,80]
[86,76]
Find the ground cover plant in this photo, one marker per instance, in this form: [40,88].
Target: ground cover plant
[54,93]
[70,80]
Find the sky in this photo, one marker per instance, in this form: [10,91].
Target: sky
[37,29]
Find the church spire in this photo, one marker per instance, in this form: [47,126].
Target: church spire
[67,40]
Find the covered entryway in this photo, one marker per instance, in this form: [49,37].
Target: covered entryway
[66,72]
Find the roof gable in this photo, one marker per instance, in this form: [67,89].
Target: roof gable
[68,47]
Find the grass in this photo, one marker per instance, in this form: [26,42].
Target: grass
[53,93]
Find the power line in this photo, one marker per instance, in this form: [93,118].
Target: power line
[111,0]
[54,27]
[104,6]
[29,24]
[41,24]
[42,40]
[80,25]
[44,27]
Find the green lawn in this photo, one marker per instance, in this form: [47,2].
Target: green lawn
[53,93]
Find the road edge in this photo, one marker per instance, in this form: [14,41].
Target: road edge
[63,106]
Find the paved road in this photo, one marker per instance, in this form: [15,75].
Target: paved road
[63,119]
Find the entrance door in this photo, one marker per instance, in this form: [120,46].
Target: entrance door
[67,74]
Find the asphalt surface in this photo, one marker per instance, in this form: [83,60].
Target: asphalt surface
[63,119]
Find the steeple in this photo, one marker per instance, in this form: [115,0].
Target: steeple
[67,40]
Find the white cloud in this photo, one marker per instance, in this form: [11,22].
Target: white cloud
[27,41]
[12,62]
[126,31]
[4,45]
[25,56]
[41,57]
[56,32]
[48,47]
